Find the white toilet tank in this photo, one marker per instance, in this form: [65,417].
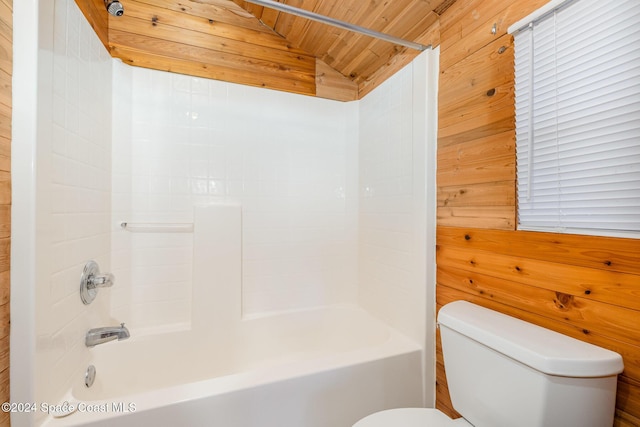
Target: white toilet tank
[504,372]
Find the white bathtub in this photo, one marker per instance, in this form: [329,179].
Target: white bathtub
[316,368]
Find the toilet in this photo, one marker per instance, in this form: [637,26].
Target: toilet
[504,372]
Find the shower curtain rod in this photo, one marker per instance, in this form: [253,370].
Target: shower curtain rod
[338,23]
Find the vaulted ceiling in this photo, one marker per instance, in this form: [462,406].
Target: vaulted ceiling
[240,42]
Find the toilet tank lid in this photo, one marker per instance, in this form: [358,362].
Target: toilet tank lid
[539,348]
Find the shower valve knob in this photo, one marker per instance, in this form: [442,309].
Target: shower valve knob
[100,281]
[91,281]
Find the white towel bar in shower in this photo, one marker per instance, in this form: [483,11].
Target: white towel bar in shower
[156,227]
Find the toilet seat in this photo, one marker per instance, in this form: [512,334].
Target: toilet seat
[410,417]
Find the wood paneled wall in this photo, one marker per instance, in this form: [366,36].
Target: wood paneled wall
[239,42]
[6,70]
[366,60]
[584,287]
[214,39]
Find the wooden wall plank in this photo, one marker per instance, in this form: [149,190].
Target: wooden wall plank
[497,169]
[333,85]
[473,154]
[5,254]
[253,9]
[196,38]
[603,253]
[5,188]
[323,38]
[244,67]
[625,420]
[5,153]
[380,52]
[472,28]
[488,123]
[431,36]
[354,55]
[477,105]
[627,403]
[175,65]
[620,289]
[475,87]
[156,38]
[97,16]
[309,32]
[368,17]
[5,88]
[4,391]
[6,53]
[269,17]
[492,194]
[214,39]
[5,221]
[207,25]
[223,12]
[285,20]
[628,397]
[483,94]
[586,287]
[6,21]
[6,71]
[229,27]
[5,121]
[494,217]
[5,295]
[487,68]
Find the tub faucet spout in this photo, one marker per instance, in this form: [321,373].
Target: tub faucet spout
[109,333]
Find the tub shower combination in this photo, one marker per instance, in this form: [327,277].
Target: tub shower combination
[325,367]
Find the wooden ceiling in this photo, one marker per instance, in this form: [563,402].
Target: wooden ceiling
[239,42]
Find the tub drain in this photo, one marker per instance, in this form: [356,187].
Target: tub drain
[90,376]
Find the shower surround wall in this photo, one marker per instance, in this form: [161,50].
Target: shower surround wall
[65,188]
[334,197]
[310,236]
[396,213]
[74,195]
[290,161]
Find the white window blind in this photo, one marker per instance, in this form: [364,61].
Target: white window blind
[578,118]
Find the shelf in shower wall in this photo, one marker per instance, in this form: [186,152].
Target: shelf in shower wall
[140,227]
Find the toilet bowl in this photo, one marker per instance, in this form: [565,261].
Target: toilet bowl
[411,417]
[505,372]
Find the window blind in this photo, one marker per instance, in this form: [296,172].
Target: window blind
[577,71]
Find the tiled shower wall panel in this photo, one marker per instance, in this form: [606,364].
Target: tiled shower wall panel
[73,208]
[393,205]
[289,160]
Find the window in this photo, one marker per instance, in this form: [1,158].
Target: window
[577,67]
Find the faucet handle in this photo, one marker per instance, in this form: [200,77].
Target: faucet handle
[91,281]
[100,281]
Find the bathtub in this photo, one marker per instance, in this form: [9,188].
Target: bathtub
[323,367]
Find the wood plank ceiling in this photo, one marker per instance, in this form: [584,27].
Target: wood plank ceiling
[239,42]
